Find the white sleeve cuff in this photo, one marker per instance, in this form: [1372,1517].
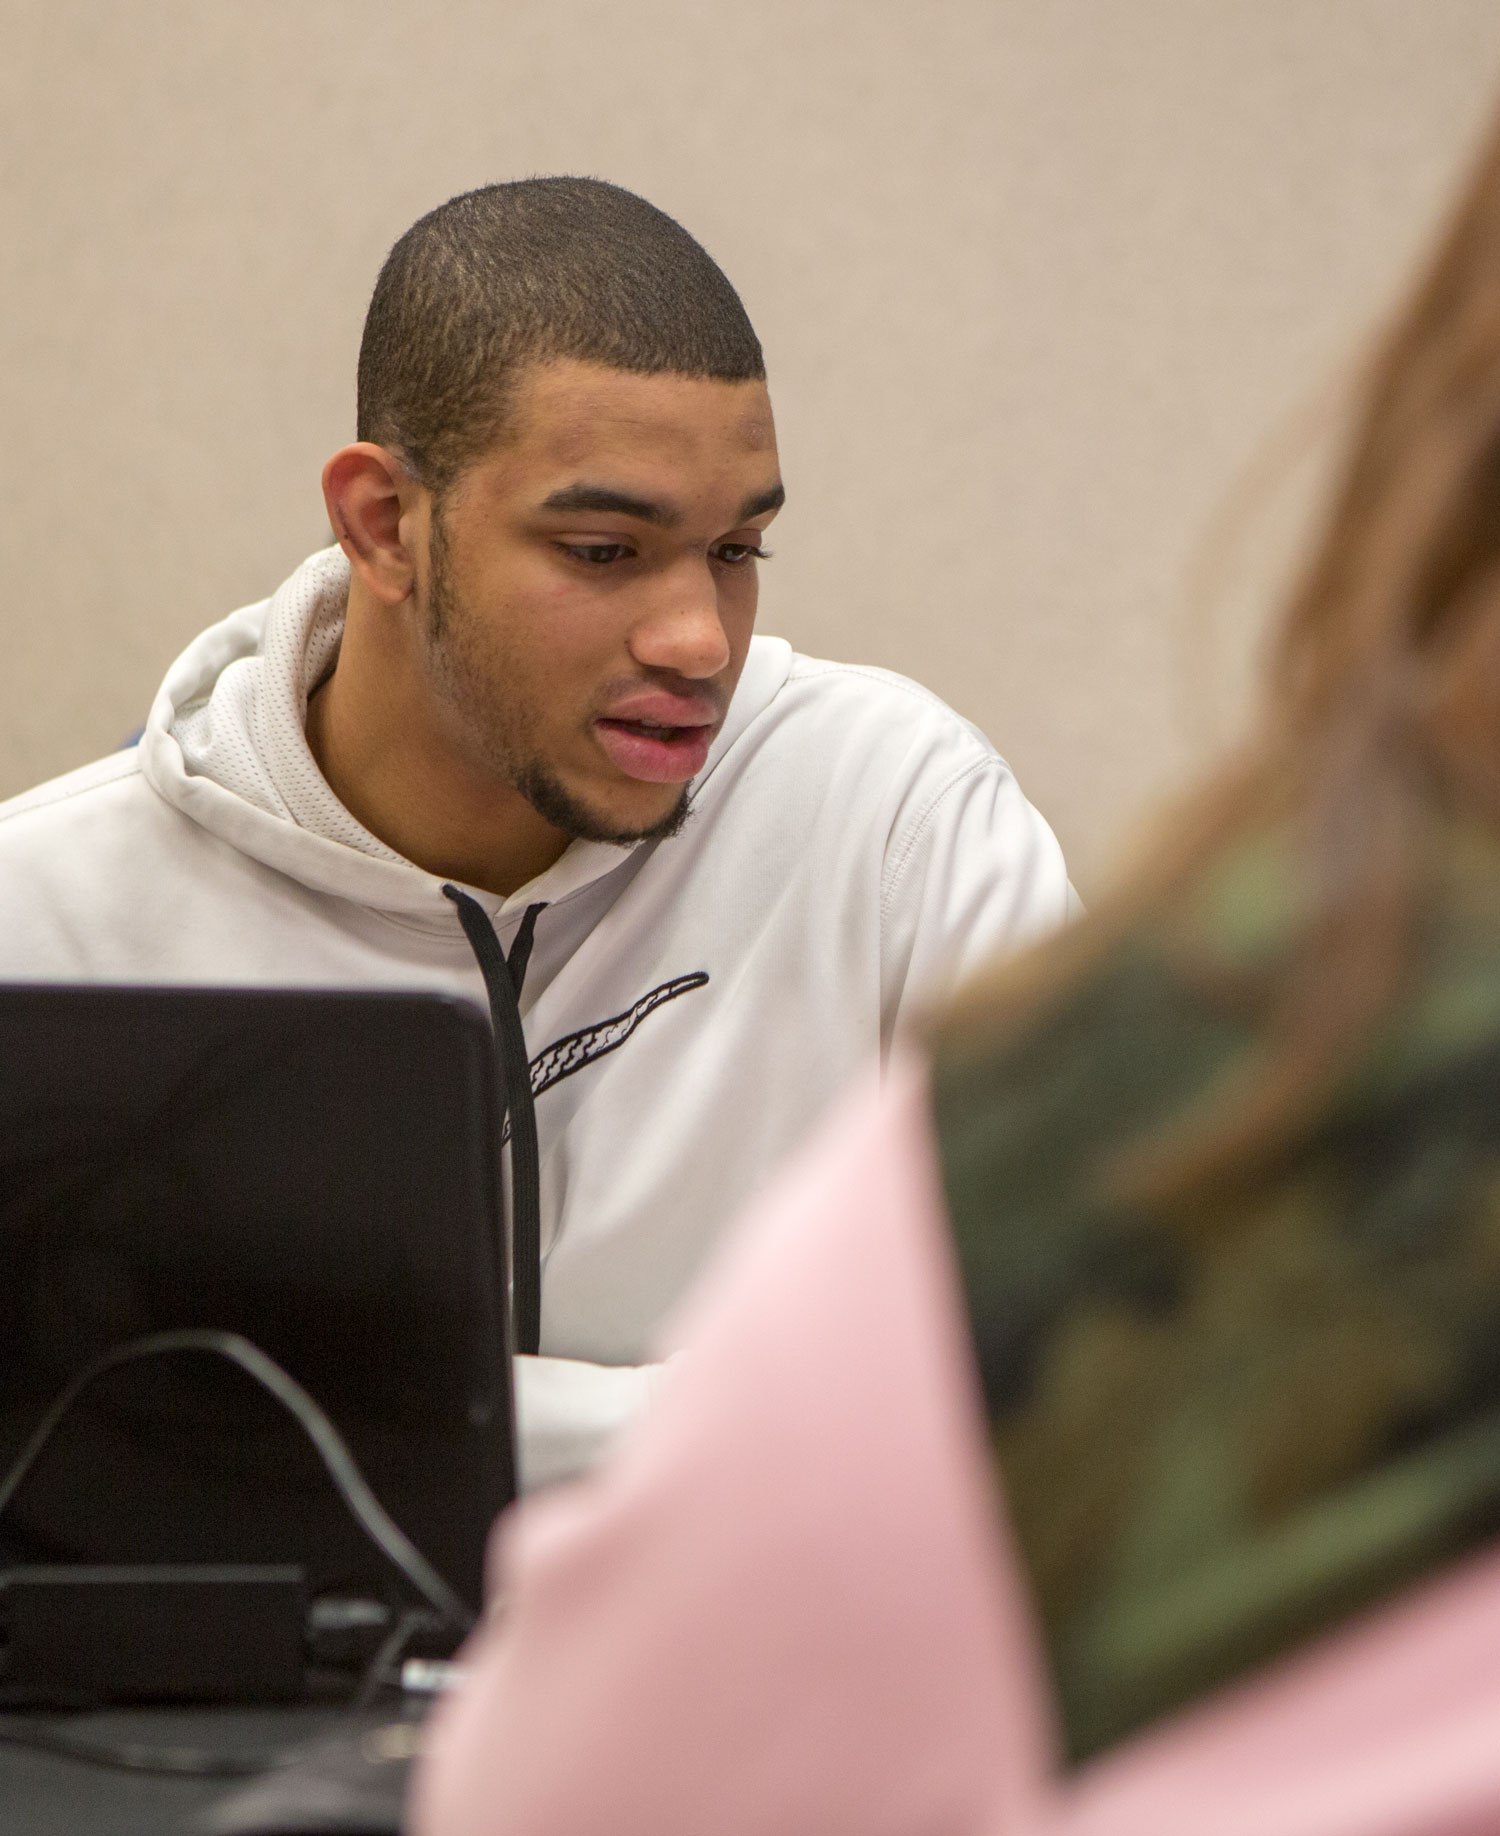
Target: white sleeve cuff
[568,1412]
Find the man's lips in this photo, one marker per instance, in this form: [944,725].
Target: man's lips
[658,739]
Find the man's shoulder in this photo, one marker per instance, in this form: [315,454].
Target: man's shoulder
[78,856]
[825,702]
[112,779]
[95,824]
[867,685]
[102,879]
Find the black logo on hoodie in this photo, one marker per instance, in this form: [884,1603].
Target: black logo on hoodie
[575,1050]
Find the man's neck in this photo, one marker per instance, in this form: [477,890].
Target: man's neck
[376,734]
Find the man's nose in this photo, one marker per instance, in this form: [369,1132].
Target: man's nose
[683,631]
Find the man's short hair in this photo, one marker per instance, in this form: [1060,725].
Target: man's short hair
[528,272]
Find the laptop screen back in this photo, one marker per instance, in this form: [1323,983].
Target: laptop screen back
[317,1171]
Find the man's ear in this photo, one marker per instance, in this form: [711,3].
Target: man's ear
[371,498]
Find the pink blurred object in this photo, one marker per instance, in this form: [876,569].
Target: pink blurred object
[788,1605]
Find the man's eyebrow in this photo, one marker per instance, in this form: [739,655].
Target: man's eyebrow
[616,503]
[763,501]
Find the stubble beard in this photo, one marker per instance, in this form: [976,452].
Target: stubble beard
[499,735]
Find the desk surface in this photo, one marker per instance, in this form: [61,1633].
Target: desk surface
[47,1794]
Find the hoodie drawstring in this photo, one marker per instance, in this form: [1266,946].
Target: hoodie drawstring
[503,979]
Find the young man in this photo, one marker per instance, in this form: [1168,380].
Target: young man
[521,701]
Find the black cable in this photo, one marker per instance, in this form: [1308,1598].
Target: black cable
[352,1486]
[377,1671]
[502,980]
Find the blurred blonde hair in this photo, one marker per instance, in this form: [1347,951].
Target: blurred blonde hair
[1382,712]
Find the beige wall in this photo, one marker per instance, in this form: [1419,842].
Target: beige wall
[1036,278]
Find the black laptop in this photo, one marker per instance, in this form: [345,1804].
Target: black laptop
[316,1171]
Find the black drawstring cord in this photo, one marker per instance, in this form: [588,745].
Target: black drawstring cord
[503,979]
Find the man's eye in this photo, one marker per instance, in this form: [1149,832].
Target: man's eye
[598,554]
[736,552]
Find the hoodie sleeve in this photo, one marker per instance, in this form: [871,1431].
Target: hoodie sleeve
[972,871]
[568,1411]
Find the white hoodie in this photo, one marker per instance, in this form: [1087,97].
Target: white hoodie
[690,1006]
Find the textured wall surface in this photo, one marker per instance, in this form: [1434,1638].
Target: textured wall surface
[1037,279]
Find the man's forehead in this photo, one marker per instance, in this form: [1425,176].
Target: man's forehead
[569,413]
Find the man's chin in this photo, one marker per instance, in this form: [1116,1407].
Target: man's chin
[585,821]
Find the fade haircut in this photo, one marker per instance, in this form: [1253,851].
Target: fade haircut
[529,272]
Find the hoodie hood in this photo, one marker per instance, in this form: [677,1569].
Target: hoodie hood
[226,744]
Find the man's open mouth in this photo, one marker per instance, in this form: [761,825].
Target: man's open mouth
[652,729]
[653,751]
